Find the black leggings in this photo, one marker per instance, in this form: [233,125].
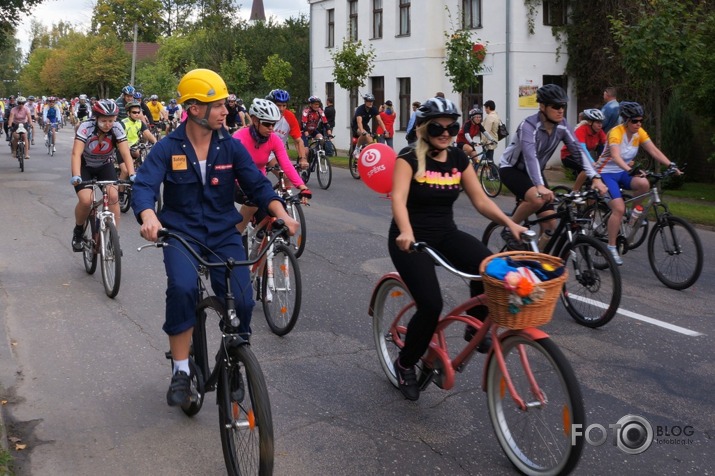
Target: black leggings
[417,270]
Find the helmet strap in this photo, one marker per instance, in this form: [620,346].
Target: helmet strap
[203,122]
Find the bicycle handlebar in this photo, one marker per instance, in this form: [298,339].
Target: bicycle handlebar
[280,228]
[528,236]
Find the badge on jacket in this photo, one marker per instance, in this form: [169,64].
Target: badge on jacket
[178,162]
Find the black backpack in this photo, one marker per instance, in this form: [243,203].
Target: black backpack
[502,131]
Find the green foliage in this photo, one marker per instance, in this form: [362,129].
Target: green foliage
[153,78]
[10,61]
[677,143]
[463,63]
[119,17]
[236,72]
[352,64]
[12,12]
[276,71]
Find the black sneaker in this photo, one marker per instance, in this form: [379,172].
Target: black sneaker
[407,380]
[77,239]
[180,391]
[512,244]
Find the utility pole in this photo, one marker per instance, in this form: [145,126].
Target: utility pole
[134,55]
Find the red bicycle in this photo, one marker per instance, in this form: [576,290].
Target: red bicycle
[533,396]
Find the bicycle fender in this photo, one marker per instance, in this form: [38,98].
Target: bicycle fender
[392,275]
[531,332]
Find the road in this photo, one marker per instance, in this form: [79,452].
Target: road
[85,376]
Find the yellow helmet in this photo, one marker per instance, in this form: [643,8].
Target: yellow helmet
[202,85]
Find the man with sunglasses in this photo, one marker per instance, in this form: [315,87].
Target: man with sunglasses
[523,161]
[615,164]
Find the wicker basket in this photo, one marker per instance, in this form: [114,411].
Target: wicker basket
[534,314]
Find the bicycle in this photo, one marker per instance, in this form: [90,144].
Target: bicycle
[275,275]
[100,237]
[20,149]
[125,196]
[245,419]
[294,207]
[592,293]
[488,172]
[534,426]
[318,162]
[50,138]
[675,252]
[356,146]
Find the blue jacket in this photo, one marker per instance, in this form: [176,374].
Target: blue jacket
[610,111]
[205,212]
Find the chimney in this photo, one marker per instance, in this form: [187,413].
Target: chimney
[257,11]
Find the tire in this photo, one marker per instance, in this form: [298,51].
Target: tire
[324,170]
[392,310]
[89,255]
[537,440]
[125,200]
[281,294]
[352,163]
[588,288]
[492,238]
[111,260]
[489,178]
[675,252]
[246,423]
[21,155]
[642,234]
[297,241]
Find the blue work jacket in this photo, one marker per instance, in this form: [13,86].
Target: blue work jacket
[204,211]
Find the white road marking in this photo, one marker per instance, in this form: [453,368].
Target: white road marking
[640,317]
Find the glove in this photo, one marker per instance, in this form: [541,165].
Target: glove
[133,177]
[76,180]
[306,193]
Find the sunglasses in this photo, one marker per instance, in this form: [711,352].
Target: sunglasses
[636,121]
[435,129]
[557,106]
[268,124]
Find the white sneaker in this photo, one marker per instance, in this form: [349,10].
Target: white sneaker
[616,257]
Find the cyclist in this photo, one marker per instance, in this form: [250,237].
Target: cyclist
[523,161]
[427,182]
[146,114]
[51,116]
[173,113]
[313,121]
[127,96]
[95,144]
[589,133]
[615,165]
[20,114]
[288,125]
[135,128]
[32,106]
[364,113]
[82,110]
[388,116]
[234,120]
[198,165]
[473,133]
[261,142]
[157,112]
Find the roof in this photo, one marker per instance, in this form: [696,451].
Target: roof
[144,50]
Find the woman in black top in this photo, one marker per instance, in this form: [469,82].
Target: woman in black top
[426,183]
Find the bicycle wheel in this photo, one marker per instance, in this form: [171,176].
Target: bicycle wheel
[245,419]
[125,200]
[89,234]
[640,237]
[353,163]
[324,171]
[489,178]
[675,252]
[111,260]
[281,290]
[392,310]
[297,241]
[492,238]
[538,439]
[591,295]
[21,155]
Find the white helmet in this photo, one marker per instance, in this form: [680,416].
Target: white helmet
[265,110]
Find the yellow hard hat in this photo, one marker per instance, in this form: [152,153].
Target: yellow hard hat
[202,85]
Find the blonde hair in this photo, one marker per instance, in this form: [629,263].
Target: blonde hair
[421,148]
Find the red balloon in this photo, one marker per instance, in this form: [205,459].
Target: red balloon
[376,164]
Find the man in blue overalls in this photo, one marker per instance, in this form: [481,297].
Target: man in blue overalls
[198,165]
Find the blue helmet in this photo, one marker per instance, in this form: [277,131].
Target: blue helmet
[138,96]
[278,95]
[128,90]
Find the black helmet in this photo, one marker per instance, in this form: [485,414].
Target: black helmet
[629,110]
[434,108]
[475,112]
[368,97]
[551,94]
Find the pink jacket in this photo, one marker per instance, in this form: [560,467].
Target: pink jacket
[262,154]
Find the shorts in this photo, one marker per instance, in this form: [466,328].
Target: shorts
[615,182]
[572,164]
[518,182]
[103,172]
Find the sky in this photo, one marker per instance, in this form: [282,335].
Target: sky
[79,13]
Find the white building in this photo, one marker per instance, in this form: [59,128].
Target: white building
[408,37]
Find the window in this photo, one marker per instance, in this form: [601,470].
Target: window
[330,41]
[471,14]
[353,20]
[404,18]
[377,18]
[404,102]
[330,91]
[377,83]
[554,12]
[474,97]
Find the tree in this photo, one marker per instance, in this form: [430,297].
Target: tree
[464,59]
[11,13]
[276,71]
[352,64]
[120,16]
[10,61]
[236,72]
